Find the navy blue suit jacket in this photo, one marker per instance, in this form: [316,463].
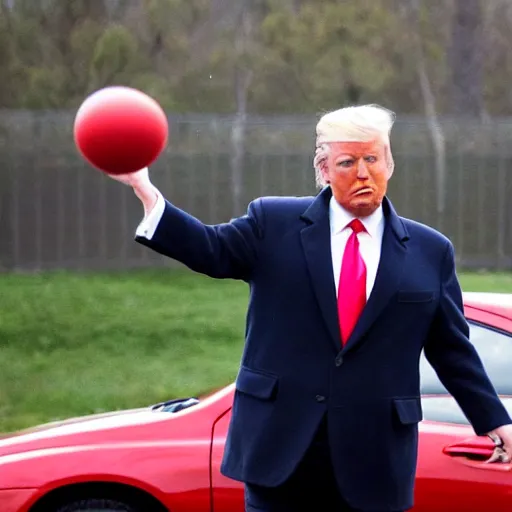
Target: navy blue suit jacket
[293,369]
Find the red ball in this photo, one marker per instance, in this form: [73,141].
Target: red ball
[120,130]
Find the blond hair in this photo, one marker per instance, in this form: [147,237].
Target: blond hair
[362,123]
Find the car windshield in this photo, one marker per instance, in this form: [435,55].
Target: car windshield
[495,350]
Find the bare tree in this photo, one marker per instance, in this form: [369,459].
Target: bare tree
[243,75]
[429,105]
[466,59]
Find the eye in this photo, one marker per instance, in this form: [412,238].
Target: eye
[345,163]
[372,159]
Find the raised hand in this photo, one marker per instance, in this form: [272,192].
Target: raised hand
[133,179]
[142,186]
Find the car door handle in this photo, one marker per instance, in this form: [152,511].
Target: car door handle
[476,452]
[471,452]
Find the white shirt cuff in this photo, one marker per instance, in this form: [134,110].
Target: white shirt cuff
[147,227]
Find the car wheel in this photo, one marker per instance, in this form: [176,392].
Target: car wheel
[98,505]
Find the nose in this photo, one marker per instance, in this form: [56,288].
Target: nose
[362,170]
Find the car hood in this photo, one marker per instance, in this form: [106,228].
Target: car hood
[444,409]
[83,424]
[86,422]
[102,421]
[127,425]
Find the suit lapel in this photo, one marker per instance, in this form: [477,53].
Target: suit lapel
[316,243]
[389,274]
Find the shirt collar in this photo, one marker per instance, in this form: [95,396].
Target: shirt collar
[340,218]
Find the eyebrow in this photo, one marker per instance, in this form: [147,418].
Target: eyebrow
[347,155]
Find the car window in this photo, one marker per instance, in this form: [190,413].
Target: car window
[495,350]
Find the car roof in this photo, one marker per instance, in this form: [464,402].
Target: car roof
[497,303]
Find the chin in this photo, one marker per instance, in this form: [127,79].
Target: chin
[365,208]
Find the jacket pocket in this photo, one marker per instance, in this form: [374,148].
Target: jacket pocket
[256,383]
[415,296]
[409,410]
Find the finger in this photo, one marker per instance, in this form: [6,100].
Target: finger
[495,457]
[503,456]
[499,455]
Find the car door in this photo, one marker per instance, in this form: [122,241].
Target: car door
[227,494]
[453,470]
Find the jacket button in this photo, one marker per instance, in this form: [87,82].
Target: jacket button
[338,361]
[320,398]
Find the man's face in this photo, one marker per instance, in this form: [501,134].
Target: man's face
[358,174]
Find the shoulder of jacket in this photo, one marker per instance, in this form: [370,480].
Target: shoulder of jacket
[432,235]
[286,202]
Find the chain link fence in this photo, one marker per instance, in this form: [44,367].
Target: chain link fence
[56,212]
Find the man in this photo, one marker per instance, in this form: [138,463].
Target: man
[344,296]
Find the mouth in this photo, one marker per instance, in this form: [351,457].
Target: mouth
[363,191]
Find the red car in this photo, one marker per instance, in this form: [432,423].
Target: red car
[167,457]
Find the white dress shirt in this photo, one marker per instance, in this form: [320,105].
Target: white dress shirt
[147,227]
[370,242]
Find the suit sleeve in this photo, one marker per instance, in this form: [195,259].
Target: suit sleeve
[456,361]
[227,250]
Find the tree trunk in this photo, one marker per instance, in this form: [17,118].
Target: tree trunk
[242,81]
[467,59]
[429,105]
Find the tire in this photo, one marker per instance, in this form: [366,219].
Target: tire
[98,505]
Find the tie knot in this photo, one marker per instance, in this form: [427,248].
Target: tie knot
[357,226]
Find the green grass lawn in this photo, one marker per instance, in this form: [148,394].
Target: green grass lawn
[73,344]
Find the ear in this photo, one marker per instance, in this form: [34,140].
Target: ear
[390,161]
[324,169]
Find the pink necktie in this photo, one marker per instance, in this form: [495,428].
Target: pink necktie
[352,284]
